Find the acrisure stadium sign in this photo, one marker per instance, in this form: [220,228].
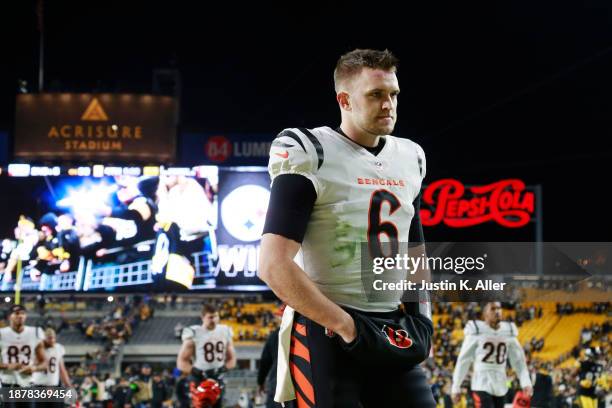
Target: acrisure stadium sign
[121,127]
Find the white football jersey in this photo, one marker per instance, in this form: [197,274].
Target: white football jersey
[19,348]
[359,195]
[51,376]
[490,350]
[210,345]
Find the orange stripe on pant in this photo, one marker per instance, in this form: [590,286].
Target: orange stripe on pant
[299,349]
[303,384]
[300,328]
[477,402]
[301,403]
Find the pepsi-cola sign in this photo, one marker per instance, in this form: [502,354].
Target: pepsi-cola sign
[506,202]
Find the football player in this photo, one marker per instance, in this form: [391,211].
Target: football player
[21,350]
[207,351]
[334,188]
[489,344]
[56,373]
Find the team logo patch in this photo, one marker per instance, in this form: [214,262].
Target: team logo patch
[329,333]
[397,338]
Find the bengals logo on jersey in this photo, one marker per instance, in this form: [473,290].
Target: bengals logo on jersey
[398,338]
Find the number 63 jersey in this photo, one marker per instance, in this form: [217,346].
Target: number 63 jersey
[19,348]
[210,345]
[362,198]
[490,351]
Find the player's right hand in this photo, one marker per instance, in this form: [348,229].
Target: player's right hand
[456,398]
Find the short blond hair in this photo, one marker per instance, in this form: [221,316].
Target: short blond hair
[351,63]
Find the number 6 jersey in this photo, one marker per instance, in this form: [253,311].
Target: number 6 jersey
[51,376]
[361,198]
[18,348]
[210,345]
[490,350]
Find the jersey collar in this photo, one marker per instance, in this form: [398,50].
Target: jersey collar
[362,148]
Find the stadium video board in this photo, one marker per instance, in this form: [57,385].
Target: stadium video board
[105,229]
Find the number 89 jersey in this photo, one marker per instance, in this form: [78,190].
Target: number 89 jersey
[210,345]
[19,348]
[361,198]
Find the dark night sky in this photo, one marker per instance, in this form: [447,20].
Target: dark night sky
[519,89]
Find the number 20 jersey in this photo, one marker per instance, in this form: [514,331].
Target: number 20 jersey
[359,195]
[18,348]
[210,345]
[490,350]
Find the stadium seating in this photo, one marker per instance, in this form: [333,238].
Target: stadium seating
[565,335]
[160,330]
[538,328]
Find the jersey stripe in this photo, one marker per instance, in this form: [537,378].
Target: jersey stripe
[318,147]
[293,136]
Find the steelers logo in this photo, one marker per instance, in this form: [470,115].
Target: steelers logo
[243,212]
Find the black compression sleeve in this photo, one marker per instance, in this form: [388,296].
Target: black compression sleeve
[415,233]
[291,201]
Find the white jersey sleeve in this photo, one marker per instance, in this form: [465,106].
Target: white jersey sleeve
[466,356]
[421,160]
[188,333]
[516,356]
[293,153]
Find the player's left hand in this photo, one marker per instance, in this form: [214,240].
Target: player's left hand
[528,391]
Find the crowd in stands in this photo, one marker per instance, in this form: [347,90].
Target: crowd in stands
[529,313]
[116,328]
[137,384]
[568,308]
[254,323]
